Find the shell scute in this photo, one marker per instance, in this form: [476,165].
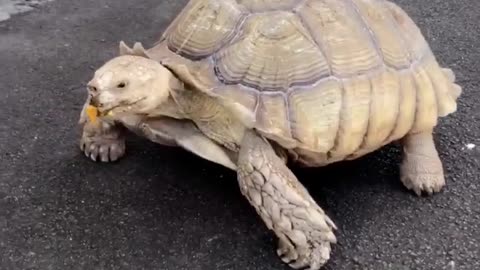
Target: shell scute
[413,40]
[203,27]
[315,115]
[345,43]
[268,5]
[407,105]
[354,116]
[384,112]
[271,54]
[384,108]
[379,20]
[272,116]
[427,111]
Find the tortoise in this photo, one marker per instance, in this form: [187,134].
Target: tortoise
[257,85]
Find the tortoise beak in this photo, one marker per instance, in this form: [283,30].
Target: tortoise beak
[94,101]
[93,91]
[100,107]
[95,109]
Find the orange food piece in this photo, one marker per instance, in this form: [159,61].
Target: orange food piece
[92,113]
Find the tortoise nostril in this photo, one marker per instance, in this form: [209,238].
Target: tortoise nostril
[92,87]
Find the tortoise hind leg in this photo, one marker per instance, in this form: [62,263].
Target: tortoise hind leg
[421,169]
[305,232]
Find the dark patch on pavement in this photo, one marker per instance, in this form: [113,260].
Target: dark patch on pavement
[58,210]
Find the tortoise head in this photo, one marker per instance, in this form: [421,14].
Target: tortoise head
[129,84]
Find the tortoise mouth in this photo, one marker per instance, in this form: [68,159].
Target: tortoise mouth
[123,106]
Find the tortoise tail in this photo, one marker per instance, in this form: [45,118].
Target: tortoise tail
[455,89]
[447,99]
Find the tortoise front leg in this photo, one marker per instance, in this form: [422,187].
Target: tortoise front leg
[101,141]
[305,232]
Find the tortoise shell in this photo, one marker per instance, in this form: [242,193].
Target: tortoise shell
[338,77]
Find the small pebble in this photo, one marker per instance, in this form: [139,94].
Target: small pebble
[470,146]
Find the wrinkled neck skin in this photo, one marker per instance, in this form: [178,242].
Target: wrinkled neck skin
[169,106]
[185,103]
[180,121]
[211,116]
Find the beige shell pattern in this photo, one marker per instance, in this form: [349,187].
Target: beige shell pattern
[337,77]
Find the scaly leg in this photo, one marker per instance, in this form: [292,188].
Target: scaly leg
[305,232]
[421,168]
[101,141]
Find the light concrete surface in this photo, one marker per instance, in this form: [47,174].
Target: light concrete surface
[10,7]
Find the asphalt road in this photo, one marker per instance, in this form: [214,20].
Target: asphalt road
[58,210]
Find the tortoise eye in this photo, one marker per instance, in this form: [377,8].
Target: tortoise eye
[121,85]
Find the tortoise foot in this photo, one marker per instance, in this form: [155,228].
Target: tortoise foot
[421,169]
[422,174]
[102,142]
[312,255]
[102,149]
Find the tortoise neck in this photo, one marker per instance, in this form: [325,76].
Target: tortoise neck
[168,106]
[194,104]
